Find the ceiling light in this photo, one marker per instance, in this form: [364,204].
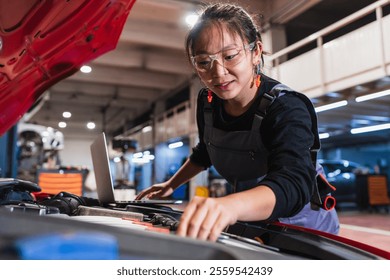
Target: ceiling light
[140,160]
[147,129]
[175,145]
[372,95]
[62,124]
[323,135]
[138,155]
[331,106]
[370,128]
[91,125]
[117,159]
[86,69]
[149,157]
[67,115]
[361,122]
[191,20]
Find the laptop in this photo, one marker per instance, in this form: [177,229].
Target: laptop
[104,184]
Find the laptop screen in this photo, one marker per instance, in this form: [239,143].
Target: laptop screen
[101,166]
[104,184]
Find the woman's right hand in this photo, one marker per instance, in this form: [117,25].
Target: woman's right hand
[156,191]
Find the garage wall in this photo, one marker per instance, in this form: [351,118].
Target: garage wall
[76,152]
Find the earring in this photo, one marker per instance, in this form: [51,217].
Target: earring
[209,96]
[257,73]
[256,76]
[258,80]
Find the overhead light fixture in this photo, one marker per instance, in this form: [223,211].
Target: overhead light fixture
[331,106]
[175,145]
[86,69]
[117,159]
[361,122]
[370,128]
[144,157]
[150,157]
[147,129]
[323,135]
[372,95]
[191,20]
[67,115]
[138,155]
[62,124]
[91,125]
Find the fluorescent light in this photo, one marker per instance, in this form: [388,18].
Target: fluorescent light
[91,125]
[140,160]
[62,124]
[149,157]
[372,95]
[175,145]
[86,69]
[138,155]
[331,106]
[191,20]
[117,159]
[370,128]
[144,157]
[67,115]
[147,129]
[323,135]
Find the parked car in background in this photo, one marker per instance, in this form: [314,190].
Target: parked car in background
[342,175]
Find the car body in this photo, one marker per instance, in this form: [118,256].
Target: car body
[45,42]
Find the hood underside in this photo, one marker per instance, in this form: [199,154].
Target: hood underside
[43,42]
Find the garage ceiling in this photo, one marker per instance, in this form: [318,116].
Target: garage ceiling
[149,65]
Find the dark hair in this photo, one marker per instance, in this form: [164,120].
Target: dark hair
[236,19]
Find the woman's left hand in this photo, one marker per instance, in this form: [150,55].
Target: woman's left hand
[205,218]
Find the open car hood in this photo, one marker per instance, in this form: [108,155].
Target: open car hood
[43,42]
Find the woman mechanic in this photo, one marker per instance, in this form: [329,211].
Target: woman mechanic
[267,162]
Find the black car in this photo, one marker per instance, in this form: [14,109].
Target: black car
[342,175]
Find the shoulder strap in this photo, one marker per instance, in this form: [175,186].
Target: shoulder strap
[268,98]
[265,103]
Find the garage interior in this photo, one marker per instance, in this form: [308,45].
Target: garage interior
[144,91]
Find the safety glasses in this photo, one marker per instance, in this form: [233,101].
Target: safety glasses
[226,58]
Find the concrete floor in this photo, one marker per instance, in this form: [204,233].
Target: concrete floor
[369,227]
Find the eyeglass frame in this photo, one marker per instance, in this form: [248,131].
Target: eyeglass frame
[213,57]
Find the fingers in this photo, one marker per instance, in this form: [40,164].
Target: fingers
[152,192]
[204,218]
[155,194]
[142,194]
[220,223]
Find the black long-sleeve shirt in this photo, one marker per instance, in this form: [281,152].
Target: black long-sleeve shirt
[286,133]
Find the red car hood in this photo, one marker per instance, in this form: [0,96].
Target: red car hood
[43,42]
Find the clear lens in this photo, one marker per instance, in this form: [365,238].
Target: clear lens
[226,58]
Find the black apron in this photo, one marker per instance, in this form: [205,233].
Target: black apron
[241,158]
